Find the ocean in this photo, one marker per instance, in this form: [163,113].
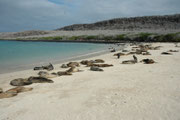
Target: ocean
[15,55]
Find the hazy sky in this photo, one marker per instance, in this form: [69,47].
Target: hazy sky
[20,15]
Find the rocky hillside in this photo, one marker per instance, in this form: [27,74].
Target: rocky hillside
[133,23]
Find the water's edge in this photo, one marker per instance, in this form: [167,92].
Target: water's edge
[56,62]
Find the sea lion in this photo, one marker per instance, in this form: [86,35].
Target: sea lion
[71,64]
[99,61]
[20,82]
[63,73]
[39,80]
[131,61]
[166,53]
[46,74]
[7,95]
[146,53]
[14,91]
[19,89]
[64,66]
[1,90]
[99,65]
[148,61]
[173,51]
[48,67]
[73,69]
[95,68]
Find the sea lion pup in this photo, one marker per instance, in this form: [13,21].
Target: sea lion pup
[40,80]
[131,61]
[46,74]
[20,82]
[173,51]
[70,64]
[14,91]
[166,53]
[95,68]
[148,61]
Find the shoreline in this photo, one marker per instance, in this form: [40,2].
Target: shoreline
[57,62]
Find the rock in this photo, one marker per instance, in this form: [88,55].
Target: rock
[1,90]
[166,53]
[20,82]
[64,66]
[71,64]
[39,80]
[148,61]
[94,68]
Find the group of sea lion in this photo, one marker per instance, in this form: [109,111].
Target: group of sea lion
[95,65]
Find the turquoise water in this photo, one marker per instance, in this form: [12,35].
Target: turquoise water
[14,54]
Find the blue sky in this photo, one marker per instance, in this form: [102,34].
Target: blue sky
[20,15]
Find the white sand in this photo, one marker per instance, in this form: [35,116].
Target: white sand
[127,92]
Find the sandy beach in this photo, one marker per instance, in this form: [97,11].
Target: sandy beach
[122,92]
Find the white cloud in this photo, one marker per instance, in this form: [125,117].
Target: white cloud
[19,15]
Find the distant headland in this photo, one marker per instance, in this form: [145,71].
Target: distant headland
[140,29]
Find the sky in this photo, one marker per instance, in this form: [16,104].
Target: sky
[22,15]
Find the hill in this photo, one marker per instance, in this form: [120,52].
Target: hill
[132,23]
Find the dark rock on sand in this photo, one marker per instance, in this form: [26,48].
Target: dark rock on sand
[20,82]
[94,68]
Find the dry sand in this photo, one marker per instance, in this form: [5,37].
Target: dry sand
[127,92]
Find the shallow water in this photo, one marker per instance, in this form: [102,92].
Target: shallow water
[14,54]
